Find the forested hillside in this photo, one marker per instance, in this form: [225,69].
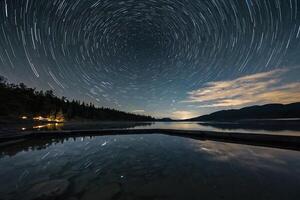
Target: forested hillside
[19,100]
[268,111]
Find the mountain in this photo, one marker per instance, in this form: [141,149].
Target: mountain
[17,101]
[268,111]
[167,119]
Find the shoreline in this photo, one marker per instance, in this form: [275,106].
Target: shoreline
[264,140]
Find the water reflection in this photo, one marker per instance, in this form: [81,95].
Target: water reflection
[33,145]
[254,125]
[252,157]
[49,126]
[275,127]
[71,126]
[148,167]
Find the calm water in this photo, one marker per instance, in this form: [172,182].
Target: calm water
[263,127]
[146,167]
[275,127]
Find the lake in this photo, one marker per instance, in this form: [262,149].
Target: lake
[274,127]
[146,167]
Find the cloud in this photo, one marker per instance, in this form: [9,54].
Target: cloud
[182,114]
[138,111]
[266,87]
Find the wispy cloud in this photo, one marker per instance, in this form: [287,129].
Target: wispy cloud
[266,87]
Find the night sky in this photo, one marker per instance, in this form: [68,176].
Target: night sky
[176,58]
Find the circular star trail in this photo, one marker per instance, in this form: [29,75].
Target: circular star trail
[143,54]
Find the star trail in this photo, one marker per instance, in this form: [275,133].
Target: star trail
[159,57]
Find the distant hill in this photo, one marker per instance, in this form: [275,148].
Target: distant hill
[165,120]
[19,100]
[268,111]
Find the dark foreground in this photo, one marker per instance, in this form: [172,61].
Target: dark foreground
[145,166]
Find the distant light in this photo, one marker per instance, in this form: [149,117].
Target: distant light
[40,118]
[24,117]
[23,129]
[49,119]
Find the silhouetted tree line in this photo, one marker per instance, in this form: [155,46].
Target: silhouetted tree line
[17,100]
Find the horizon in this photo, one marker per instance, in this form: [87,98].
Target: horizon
[138,112]
[159,58]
